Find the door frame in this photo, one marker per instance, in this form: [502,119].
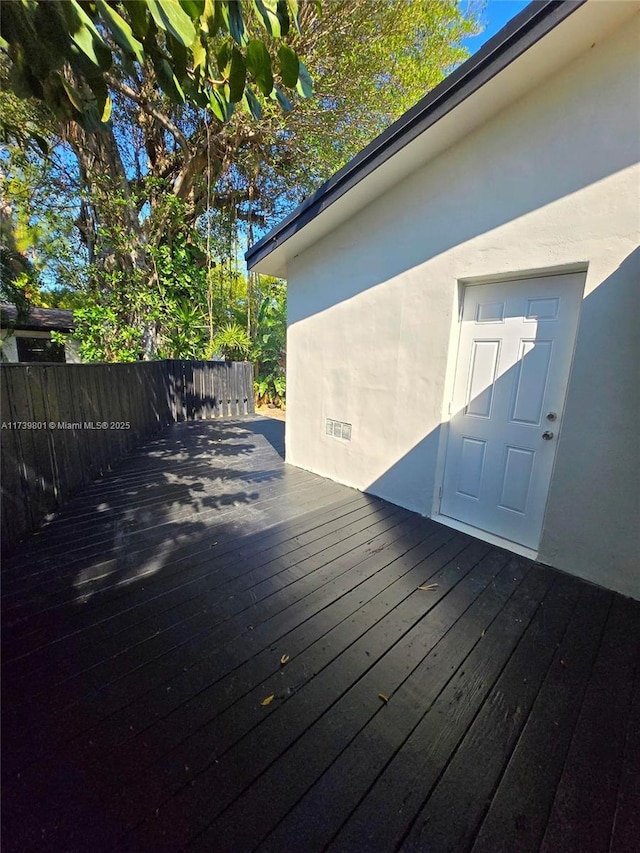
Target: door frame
[461,284]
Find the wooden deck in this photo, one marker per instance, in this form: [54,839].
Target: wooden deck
[210,650]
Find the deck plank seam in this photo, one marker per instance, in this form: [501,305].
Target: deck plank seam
[483,552]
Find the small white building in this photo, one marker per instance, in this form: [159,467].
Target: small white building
[463,299]
[28,338]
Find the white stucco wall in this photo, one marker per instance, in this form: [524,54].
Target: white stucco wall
[550,182]
[10,347]
[72,350]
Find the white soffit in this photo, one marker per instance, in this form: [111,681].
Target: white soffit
[588,25]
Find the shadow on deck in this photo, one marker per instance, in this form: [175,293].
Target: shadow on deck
[211,650]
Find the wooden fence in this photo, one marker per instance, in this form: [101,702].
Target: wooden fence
[65,424]
[210,389]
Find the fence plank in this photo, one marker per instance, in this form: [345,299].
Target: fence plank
[240,387]
[236,388]
[217,394]
[100,438]
[59,448]
[208,387]
[174,396]
[248,385]
[44,464]
[62,448]
[14,515]
[227,394]
[197,390]
[21,413]
[182,390]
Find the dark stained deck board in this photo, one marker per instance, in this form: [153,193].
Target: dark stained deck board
[223,625]
[309,644]
[479,643]
[229,597]
[199,745]
[149,496]
[123,488]
[239,750]
[237,452]
[60,574]
[280,541]
[477,765]
[199,569]
[111,591]
[100,577]
[239,675]
[388,808]
[173,591]
[519,813]
[128,483]
[262,600]
[421,658]
[626,828]
[57,576]
[200,509]
[35,630]
[585,802]
[133,716]
[181,540]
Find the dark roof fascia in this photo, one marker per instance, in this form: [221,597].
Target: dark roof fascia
[521,33]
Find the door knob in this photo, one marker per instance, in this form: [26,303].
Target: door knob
[551,416]
[547,435]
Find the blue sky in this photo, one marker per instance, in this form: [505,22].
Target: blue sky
[495,16]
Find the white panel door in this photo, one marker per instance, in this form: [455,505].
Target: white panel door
[514,357]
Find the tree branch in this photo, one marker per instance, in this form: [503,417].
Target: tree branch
[168,125]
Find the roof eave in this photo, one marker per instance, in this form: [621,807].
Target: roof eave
[521,33]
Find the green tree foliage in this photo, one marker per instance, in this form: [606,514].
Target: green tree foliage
[205,53]
[37,206]
[370,62]
[232,342]
[270,345]
[107,70]
[165,182]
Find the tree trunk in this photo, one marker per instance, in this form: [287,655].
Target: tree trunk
[109,221]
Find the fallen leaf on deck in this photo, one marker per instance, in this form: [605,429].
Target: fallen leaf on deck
[284,659]
[384,698]
[429,587]
[482,635]
[268,700]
